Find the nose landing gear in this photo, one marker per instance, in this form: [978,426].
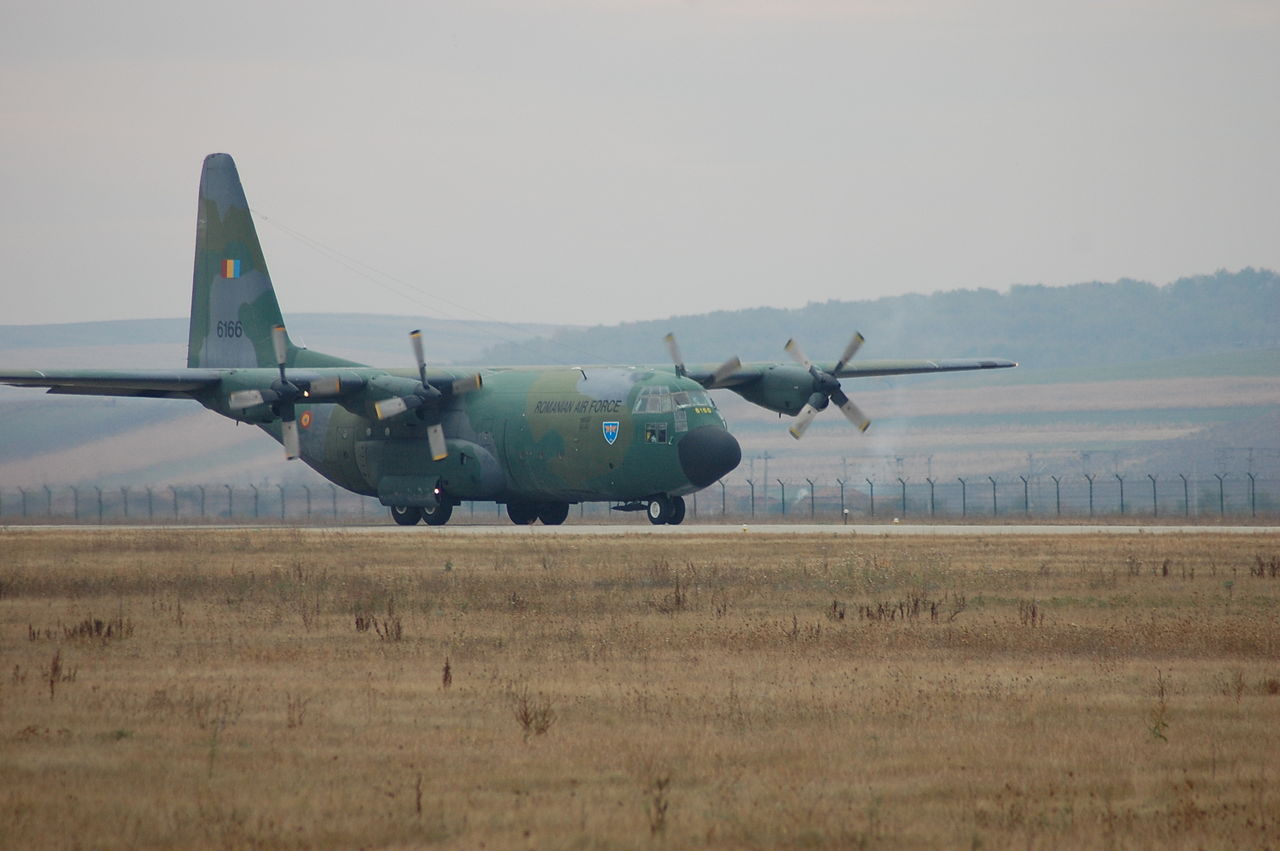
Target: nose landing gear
[667,510]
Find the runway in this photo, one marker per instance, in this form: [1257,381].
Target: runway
[686,529]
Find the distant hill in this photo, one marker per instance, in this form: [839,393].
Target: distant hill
[1167,379]
[381,340]
[1042,327]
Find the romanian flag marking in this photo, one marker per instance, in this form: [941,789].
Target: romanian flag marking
[230,268]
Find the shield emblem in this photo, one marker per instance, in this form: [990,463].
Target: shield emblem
[610,432]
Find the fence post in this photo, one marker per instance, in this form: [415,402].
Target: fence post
[173,489]
[202,502]
[48,501]
[333,491]
[752,485]
[1253,505]
[23,491]
[1155,507]
[840,482]
[1186,496]
[230,506]
[724,500]
[813,507]
[872,487]
[783,485]
[995,512]
[99,490]
[255,501]
[307,488]
[931,511]
[964,497]
[1089,476]
[281,489]
[903,482]
[1120,479]
[1026,502]
[1222,502]
[151,505]
[1057,493]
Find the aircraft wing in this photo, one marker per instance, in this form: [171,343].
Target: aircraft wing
[749,372]
[873,368]
[155,383]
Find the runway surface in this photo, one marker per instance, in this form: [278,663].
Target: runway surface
[854,530]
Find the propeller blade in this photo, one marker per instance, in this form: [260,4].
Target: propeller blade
[279,343]
[415,337]
[435,440]
[241,399]
[393,407]
[803,419]
[289,436]
[468,384]
[724,371]
[851,411]
[793,349]
[673,349]
[850,350]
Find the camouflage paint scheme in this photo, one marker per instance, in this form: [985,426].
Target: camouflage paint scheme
[535,438]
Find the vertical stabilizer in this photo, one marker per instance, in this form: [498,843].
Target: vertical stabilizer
[233,306]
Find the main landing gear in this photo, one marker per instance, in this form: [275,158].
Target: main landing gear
[667,510]
[550,513]
[408,515]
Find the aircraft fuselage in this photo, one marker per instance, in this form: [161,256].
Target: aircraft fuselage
[542,434]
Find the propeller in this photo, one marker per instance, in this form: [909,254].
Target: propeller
[715,379]
[425,400]
[826,389]
[282,394]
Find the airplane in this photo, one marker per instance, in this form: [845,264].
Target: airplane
[424,439]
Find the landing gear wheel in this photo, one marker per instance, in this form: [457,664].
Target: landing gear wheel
[553,513]
[677,511]
[659,510]
[439,515]
[522,513]
[406,515]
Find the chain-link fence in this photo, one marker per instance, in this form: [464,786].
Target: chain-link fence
[1148,496]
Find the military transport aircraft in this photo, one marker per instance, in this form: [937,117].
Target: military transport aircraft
[424,439]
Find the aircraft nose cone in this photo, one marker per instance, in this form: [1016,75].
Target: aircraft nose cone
[708,453]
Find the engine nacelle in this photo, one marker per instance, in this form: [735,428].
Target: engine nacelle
[782,388]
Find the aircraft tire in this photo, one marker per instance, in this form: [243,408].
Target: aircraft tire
[439,515]
[677,511]
[659,510]
[406,515]
[553,513]
[522,513]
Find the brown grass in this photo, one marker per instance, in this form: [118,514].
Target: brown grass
[730,692]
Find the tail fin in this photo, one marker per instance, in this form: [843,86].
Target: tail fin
[233,305]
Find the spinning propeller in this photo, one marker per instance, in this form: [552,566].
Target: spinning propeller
[716,379]
[283,393]
[425,400]
[826,389]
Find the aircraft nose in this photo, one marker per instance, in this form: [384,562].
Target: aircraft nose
[708,453]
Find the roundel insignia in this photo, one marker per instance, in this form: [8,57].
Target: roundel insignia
[305,419]
[610,431]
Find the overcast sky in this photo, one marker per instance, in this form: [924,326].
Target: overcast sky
[593,162]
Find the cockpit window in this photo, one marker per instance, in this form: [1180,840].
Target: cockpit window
[653,400]
[691,399]
[661,400]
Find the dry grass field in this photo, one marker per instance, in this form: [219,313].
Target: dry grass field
[281,689]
